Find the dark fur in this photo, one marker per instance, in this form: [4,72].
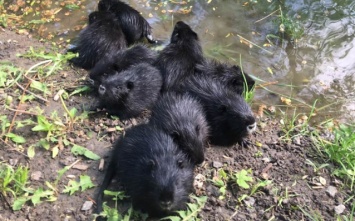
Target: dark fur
[102,38]
[177,60]
[228,115]
[183,118]
[154,172]
[230,75]
[134,26]
[121,61]
[127,93]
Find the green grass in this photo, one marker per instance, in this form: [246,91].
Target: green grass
[341,151]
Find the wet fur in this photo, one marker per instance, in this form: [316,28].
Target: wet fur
[183,118]
[227,113]
[102,38]
[177,60]
[229,75]
[121,61]
[127,93]
[134,26]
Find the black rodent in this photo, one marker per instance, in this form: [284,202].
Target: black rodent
[134,26]
[230,75]
[229,117]
[102,38]
[153,171]
[121,61]
[177,60]
[183,118]
[127,93]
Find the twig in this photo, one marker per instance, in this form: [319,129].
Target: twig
[23,112]
[267,16]
[244,39]
[266,84]
[27,91]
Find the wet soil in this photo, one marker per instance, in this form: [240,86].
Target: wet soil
[295,184]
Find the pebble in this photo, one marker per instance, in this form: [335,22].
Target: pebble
[217,164]
[36,175]
[87,205]
[331,190]
[249,201]
[339,209]
[80,166]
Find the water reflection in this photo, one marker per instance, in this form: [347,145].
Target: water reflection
[320,67]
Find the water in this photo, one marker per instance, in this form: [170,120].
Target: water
[318,66]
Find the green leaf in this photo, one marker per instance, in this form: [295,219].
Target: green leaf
[79,90]
[85,183]
[16,138]
[242,178]
[72,187]
[39,86]
[19,202]
[79,150]
[40,193]
[44,143]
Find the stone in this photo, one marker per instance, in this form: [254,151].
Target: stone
[217,164]
[331,190]
[339,209]
[87,205]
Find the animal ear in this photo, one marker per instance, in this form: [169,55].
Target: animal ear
[130,85]
[222,108]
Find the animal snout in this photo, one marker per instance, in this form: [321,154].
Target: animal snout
[251,128]
[102,89]
[165,204]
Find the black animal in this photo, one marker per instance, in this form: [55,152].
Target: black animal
[183,118]
[127,93]
[102,38]
[154,172]
[229,117]
[121,61]
[230,75]
[177,60]
[134,26]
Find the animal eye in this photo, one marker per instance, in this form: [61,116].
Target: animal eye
[130,85]
[222,108]
[197,129]
[180,164]
[175,135]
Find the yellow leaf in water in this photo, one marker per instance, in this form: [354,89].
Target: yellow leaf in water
[270,70]
[258,144]
[286,100]
[228,35]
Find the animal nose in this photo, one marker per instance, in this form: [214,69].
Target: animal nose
[102,89]
[251,128]
[165,204]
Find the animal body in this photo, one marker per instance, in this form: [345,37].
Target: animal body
[102,38]
[230,75]
[134,26]
[153,171]
[178,60]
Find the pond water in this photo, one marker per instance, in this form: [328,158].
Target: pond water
[318,65]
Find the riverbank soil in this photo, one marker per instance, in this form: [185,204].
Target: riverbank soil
[287,181]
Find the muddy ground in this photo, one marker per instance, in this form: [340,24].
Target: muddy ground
[295,185]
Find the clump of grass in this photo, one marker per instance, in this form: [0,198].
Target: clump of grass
[341,151]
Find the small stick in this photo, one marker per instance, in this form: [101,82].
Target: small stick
[267,16]
[266,84]
[27,91]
